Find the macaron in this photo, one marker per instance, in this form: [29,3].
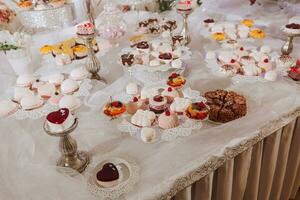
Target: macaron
[46,91]
[69,86]
[79,74]
[70,102]
[56,79]
[30,102]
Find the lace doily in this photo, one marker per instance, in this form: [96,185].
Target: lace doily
[183,130]
[84,89]
[36,113]
[129,179]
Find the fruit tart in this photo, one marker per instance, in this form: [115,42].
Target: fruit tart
[197,111]
[176,81]
[114,109]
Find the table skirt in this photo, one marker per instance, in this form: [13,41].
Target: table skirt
[268,169]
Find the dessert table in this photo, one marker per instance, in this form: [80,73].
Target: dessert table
[254,157]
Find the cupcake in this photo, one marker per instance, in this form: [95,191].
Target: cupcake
[69,86]
[158,104]
[171,94]
[133,106]
[46,91]
[7,108]
[79,74]
[80,51]
[248,22]
[25,80]
[168,120]
[165,58]
[176,81]
[114,109]
[257,34]
[30,102]
[70,102]
[197,111]
[56,79]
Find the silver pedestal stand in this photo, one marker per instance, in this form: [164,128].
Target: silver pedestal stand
[185,29]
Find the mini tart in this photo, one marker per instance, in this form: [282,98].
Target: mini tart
[197,111]
[165,57]
[114,109]
[257,34]
[80,51]
[218,36]
[60,120]
[7,108]
[247,22]
[176,81]
[158,104]
[292,28]
[46,49]
[108,176]
[25,4]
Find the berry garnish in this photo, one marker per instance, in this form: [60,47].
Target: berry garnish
[232,61]
[170,89]
[135,99]
[158,98]
[116,104]
[167,113]
[266,60]
[37,80]
[242,48]
[56,93]
[174,75]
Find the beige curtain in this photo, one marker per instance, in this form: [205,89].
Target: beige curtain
[269,170]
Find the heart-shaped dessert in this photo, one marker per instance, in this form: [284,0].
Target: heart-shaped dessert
[58,117]
[60,120]
[109,172]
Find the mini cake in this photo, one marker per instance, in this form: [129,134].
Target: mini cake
[70,102]
[60,120]
[108,176]
[197,110]
[86,28]
[257,34]
[46,91]
[219,36]
[127,59]
[25,5]
[148,134]
[143,46]
[209,22]
[294,72]
[248,22]
[143,118]
[176,81]
[133,106]
[114,109]
[225,106]
[184,6]
[158,104]
[30,102]
[69,86]
[37,83]
[55,98]
[171,94]
[7,108]
[168,120]
[79,74]
[165,58]
[292,28]
[132,89]
[25,80]
[80,51]
[179,105]
[56,79]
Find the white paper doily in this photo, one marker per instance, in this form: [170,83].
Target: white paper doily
[122,188]
[36,113]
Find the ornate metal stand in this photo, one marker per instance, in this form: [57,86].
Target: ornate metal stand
[185,29]
[287,48]
[92,64]
[77,160]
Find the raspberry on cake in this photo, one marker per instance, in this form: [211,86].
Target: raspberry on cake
[114,109]
[197,110]
[86,28]
[176,81]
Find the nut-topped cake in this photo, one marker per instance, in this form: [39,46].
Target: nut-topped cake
[225,105]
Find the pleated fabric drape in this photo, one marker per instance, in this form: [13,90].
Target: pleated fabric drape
[270,169]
